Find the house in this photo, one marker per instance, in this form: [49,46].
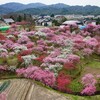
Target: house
[90,22]
[8,21]
[97,16]
[74,16]
[59,17]
[2,22]
[43,21]
[71,22]
[89,16]
[46,23]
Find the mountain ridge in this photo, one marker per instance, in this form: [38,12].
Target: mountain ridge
[40,8]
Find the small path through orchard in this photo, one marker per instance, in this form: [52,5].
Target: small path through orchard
[24,89]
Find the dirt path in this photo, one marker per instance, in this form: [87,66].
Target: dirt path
[23,89]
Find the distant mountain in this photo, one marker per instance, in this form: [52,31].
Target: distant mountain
[87,10]
[34,5]
[18,6]
[59,5]
[39,8]
[13,6]
[41,11]
[4,10]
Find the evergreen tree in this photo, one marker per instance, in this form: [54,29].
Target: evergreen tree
[19,18]
[52,15]
[12,17]
[24,17]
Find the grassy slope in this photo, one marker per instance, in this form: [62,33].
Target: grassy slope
[91,65]
[72,97]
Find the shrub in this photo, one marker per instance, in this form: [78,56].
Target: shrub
[89,90]
[36,73]
[88,80]
[69,66]
[89,83]
[63,82]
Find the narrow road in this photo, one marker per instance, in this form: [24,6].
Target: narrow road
[23,89]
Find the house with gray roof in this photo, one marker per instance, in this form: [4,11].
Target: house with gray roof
[8,20]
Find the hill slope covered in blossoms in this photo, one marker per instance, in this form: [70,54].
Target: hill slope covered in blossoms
[65,59]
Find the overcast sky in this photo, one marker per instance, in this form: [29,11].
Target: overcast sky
[69,2]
